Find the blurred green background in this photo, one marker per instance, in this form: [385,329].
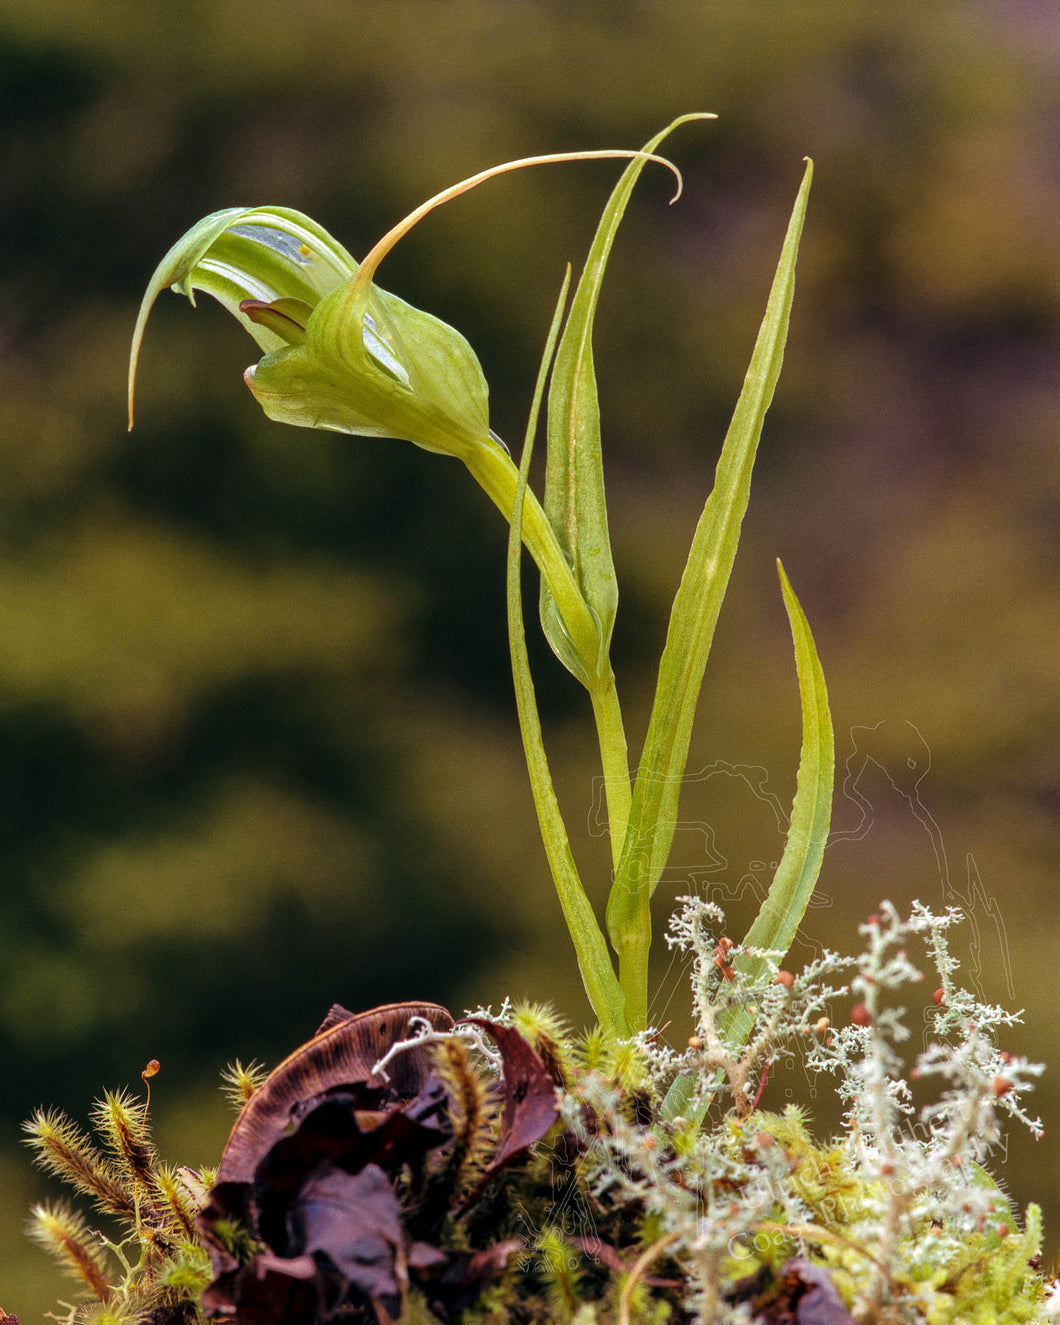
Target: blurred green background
[257,746]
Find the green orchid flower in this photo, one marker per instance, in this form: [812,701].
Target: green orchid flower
[342,354]
[369,364]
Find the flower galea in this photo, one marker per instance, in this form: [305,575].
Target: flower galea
[349,359]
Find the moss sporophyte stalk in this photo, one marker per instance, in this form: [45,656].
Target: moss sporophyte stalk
[406,1164]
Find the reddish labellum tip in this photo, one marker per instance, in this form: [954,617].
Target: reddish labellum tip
[860,1015]
[938,997]
[784,978]
[1000,1086]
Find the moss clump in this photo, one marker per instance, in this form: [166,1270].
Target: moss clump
[504,1171]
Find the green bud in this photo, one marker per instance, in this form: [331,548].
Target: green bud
[349,358]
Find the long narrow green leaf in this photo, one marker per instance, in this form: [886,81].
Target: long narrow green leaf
[574,476]
[785,904]
[594,962]
[796,877]
[576,507]
[691,631]
[781,913]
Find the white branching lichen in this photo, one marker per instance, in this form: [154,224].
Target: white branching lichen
[899,1210]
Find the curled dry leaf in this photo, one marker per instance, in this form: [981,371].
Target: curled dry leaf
[529,1094]
[345,1049]
[308,1176]
[329,1197]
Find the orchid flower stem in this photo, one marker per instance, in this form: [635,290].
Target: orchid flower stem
[614,758]
[495,473]
[633,954]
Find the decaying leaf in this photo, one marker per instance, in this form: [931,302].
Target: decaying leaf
[529,1094]
[322,1208]
[345,1049]
[801,1294]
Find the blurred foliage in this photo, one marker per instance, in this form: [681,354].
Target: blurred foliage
[257,750]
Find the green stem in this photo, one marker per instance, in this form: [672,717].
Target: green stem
[614,759]
[594,961]
[633,968]
[495,473]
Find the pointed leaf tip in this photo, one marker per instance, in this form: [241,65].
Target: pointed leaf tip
[574,483]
